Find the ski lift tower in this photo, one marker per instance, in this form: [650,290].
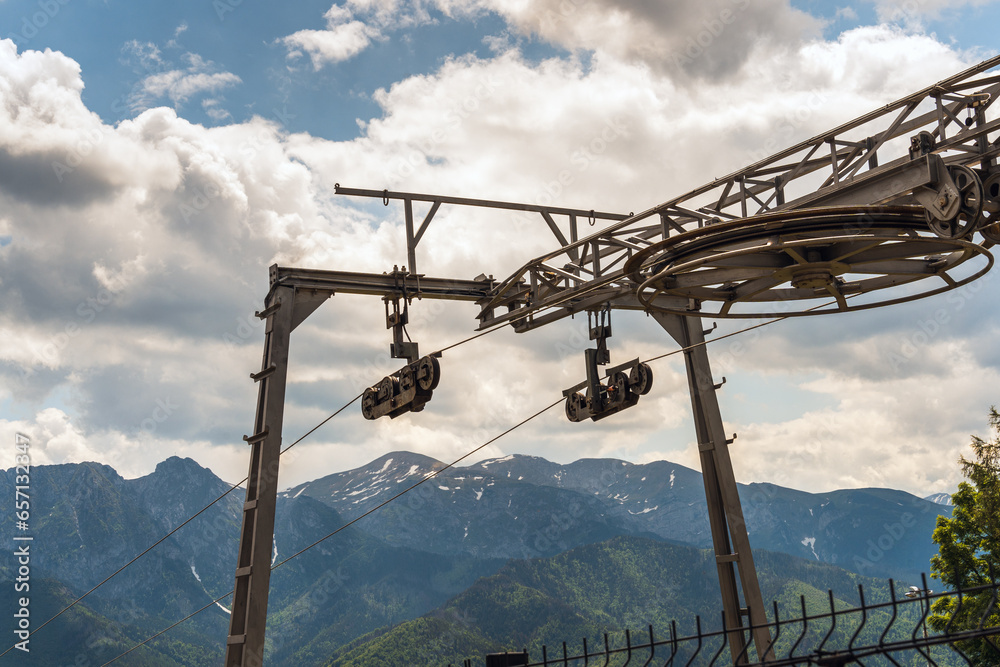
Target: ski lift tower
[899,204]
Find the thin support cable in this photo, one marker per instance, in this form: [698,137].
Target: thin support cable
[189,520]
[353,521]
[149,639]
[425,479]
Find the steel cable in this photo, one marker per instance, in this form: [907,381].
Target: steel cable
[435,473]
[189,520]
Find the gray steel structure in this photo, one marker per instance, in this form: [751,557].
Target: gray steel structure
[853,218]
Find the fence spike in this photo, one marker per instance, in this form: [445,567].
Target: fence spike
[777,631]
[864,618]
[697,650]
[813,651]
[833,621]
[805,627]
[652,647]
[673,644]
[892,621]
[725,641]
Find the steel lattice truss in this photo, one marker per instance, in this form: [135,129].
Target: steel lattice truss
[933,151]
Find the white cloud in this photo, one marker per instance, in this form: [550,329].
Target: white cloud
[685,38]
[350,28]
[339,42]
[179,85]
[913,13]
[886,432]
[848,13]
[693,37]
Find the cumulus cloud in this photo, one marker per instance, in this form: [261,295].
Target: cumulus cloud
[700,38]
[683,38]
[179,85]
[351,27]
[890,432]
[914,13]
[343,39]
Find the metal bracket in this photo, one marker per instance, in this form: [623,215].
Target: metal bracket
[622,385]
[398,318]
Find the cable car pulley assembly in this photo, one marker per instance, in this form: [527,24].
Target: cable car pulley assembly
[411,387]
[622,385]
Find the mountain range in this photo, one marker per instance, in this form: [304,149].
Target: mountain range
[458,543]
[527,507]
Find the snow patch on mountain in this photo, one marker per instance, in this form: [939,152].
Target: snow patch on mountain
[940,499]
[811,543]
[486,464]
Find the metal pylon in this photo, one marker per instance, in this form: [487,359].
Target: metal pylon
[285,308]
[729,534]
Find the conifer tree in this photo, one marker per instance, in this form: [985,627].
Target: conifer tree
[969,548]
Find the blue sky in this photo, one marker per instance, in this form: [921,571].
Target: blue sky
[155,158]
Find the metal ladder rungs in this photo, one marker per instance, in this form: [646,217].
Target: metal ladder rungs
[256,437]
[267,312]
[267,372]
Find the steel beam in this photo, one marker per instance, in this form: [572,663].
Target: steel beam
[294,295]
[385,284]
[861,161]
[245,644]
[729,533]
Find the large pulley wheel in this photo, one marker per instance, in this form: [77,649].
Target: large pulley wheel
[641,378]
[808,262]
[368,401]
[428,373]
[618,387]
[386,388]
[970,208]
[990,226]
[575,407]
[407,378]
